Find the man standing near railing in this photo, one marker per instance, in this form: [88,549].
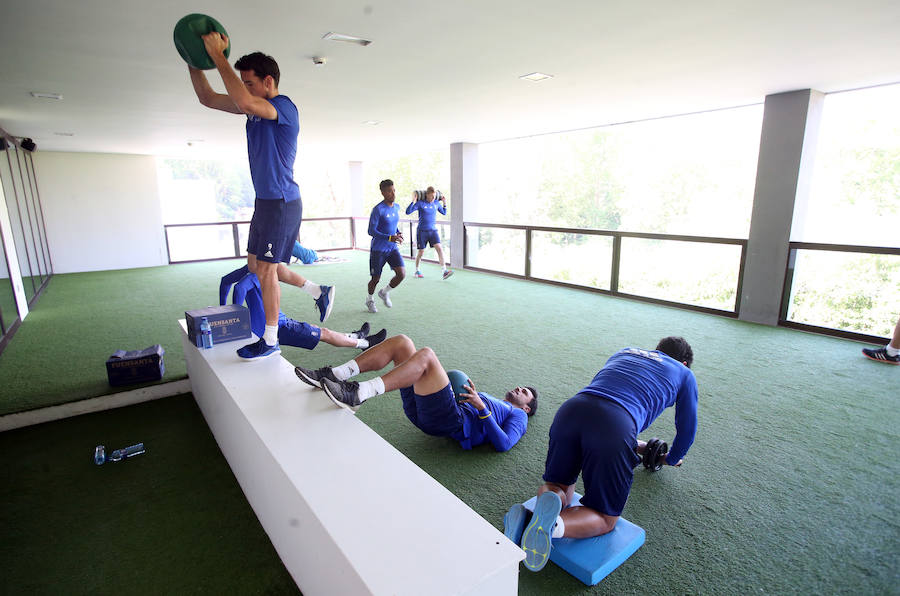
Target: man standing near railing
[428,207]
[386,236]
[273,126]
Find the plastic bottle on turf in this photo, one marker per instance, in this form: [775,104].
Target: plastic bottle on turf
[206,340]
[99,455]
[131,451]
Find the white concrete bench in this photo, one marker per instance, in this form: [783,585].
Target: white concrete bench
[347,513]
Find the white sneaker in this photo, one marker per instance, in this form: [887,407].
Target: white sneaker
[387,299]
[370,304]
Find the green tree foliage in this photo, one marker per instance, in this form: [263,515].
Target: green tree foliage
[233,186]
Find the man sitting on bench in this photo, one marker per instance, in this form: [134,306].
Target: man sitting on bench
[428,398]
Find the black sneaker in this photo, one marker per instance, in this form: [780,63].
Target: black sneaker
[362,332]
[343,393]
[376,339]
[880,355]
[314,377]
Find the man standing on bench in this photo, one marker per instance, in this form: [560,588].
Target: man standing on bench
[595,433]
[428,399]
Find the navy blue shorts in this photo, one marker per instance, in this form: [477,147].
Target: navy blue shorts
[297,334]
[273,229]
[378,259]
[426,237]
[437,414]
[596,437]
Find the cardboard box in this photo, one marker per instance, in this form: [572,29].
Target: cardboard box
[228,322]
[136,366]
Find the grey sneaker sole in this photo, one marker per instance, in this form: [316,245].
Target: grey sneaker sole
[336,401]
[306,378]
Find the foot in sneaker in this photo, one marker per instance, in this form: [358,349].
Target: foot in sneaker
[514,522]
[370,304]
[880,355]
[376,338]
[258,350]
[447,273]
[343,393]
[536,541]
[325,302]
[314,377]
[384,296]
[419,274]
[362,332]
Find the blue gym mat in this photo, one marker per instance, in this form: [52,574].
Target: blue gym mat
[592,559]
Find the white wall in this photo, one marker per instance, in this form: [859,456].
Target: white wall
[102,211]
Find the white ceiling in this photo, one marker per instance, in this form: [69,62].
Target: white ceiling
[437,72]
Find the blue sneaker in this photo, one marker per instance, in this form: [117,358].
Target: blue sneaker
[325,302]
[258,350]
[536,541]
[514,522]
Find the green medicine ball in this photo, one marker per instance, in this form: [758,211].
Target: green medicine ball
[189,44]
[457,379]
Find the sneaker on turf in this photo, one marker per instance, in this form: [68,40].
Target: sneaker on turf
[377,338]
[447,273]
[536,540]
[258,350]
[325,302]
[384,296]
[343,393]
[880,355]
[370,304]
[362,332]
[314,377]
[419,274]
[514,522]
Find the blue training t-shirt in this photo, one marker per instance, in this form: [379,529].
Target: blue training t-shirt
[427,213]
[646,382]
[500,424]
[272,148]
[382,225]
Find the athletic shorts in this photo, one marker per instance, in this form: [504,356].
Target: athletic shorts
[297,334]
[596,437]
[273,229]
[426,237]
[378,259]
[437,414]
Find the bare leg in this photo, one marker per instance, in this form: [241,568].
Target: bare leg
[895,342]
[397,349]
[581,522]
[268,283]
[336,339]
[399,275]
[440,254]
[288,276]
[419,257]
[418,369]
[373,283]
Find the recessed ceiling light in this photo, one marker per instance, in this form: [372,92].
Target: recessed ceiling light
[536,76]
[43,95]
[332,36]
[65,134]
[372,122]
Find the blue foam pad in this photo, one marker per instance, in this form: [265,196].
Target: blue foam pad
[592,559]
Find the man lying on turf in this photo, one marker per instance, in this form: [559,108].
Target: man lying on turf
[595,433]
[427,395]
[290,332]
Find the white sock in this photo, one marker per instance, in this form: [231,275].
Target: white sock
[371,298]
[891,350]
[559,528]
[362,343]
[271,335]
[346,370]
[371,388]
[386,289]
[313,289]
[444,268]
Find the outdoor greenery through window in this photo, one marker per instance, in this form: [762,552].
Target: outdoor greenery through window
[854,199]
[687,175]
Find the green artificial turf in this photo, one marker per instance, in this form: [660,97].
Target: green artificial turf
[170,521]
[790,487]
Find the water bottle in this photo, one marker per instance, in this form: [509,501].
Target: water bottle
[206,340]
[99,455]
[131,451]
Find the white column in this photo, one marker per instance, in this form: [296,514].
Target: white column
[786,155]
[463,194]
[356,191]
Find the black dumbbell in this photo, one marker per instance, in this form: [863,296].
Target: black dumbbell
[655,454]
